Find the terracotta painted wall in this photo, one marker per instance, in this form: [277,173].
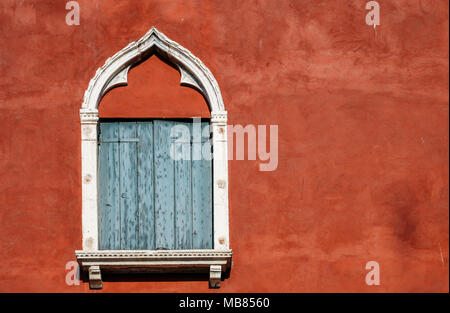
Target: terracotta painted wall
[363,136]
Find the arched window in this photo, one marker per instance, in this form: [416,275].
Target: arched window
[127,166]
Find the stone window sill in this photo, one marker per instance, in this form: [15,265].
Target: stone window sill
[215,262]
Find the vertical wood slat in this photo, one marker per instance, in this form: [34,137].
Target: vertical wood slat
[183,192]
[128,187]
[165,204]
[109,217]
[146,186]
[202,198]
[164,187]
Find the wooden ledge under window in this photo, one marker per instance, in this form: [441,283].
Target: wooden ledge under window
[215,262]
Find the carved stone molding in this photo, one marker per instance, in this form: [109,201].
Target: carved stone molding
[219,117]
[112,255]
[89,116]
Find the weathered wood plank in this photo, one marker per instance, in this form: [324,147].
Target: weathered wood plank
[146,192]
[164,187]
[202,198]
[183,191]
[109,215]
[128,187]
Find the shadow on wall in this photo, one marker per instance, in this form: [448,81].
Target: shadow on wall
[152,277]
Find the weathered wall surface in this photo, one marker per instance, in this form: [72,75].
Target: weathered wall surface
[363,136]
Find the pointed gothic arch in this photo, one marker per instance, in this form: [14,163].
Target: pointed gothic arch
[113,74]
[115,71]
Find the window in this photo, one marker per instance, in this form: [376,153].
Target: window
[143,210]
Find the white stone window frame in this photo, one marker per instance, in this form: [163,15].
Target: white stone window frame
[112,74]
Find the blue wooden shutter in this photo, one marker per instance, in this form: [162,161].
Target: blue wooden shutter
[148,200]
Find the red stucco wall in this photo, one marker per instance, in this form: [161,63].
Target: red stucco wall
[363,137]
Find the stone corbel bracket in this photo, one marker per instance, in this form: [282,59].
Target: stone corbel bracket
[146,261]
